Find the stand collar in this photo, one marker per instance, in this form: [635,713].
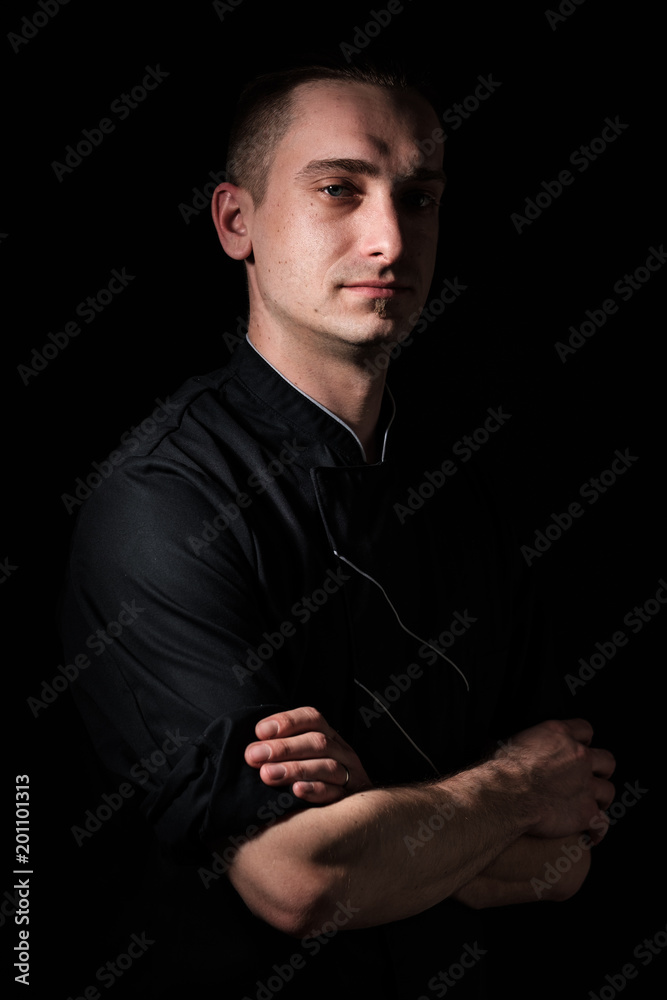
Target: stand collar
[309,417]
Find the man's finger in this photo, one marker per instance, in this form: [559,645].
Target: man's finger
[325,770]
[292,723]
[312,744]
[580,730]
[318,792]
[603,763]
[604,794]
[599,828]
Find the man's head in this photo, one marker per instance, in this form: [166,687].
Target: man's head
[333,205]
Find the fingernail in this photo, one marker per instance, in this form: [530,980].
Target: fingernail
[258,753]
[265,730]
[276,770]
[305,786]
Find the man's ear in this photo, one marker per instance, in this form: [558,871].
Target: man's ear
[230,206]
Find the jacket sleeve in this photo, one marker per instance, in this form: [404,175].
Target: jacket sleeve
[164,600]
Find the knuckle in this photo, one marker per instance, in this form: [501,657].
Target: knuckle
[557,729]
[320,742]
[292,718]
[311,714]
[279,749]
[330,766]
[284,720]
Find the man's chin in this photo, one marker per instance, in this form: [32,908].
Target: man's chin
[378,338]
[385,317]
[365,333]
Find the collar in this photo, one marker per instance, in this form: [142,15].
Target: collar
[309,418]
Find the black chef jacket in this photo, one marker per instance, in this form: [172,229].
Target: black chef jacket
[245,559]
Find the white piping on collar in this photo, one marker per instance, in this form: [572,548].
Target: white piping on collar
[329,412]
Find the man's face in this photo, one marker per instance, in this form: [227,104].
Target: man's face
[344,250]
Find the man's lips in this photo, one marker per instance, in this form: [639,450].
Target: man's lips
[376,289]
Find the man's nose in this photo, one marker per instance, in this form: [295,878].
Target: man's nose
[382,230]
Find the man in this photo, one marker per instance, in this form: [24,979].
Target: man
[335,661]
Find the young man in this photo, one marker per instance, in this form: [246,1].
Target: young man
[267,543]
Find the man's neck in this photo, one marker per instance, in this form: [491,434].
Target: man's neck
[342,384]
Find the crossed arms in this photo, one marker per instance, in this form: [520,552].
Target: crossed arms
[542,793]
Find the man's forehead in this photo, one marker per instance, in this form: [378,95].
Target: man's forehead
[319,99]
[327,114]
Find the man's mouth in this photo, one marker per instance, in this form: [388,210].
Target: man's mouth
[376,289]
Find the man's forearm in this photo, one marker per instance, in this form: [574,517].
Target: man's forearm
[390,852]
[528,870]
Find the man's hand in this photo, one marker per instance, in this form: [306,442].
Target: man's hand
[300,748]
[568,779]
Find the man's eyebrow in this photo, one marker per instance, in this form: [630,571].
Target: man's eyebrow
[422,174]
[344,166]
[348,166]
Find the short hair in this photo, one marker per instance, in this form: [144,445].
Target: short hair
[265,113]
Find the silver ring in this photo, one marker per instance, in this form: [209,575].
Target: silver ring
[348,776]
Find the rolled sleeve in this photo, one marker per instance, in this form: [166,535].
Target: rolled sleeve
[167,620]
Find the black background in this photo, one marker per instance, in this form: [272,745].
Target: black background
[122,207]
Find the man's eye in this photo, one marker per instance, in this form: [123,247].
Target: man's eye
[334,190]
[420,199]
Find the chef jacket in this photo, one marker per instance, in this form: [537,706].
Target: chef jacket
[243,559]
